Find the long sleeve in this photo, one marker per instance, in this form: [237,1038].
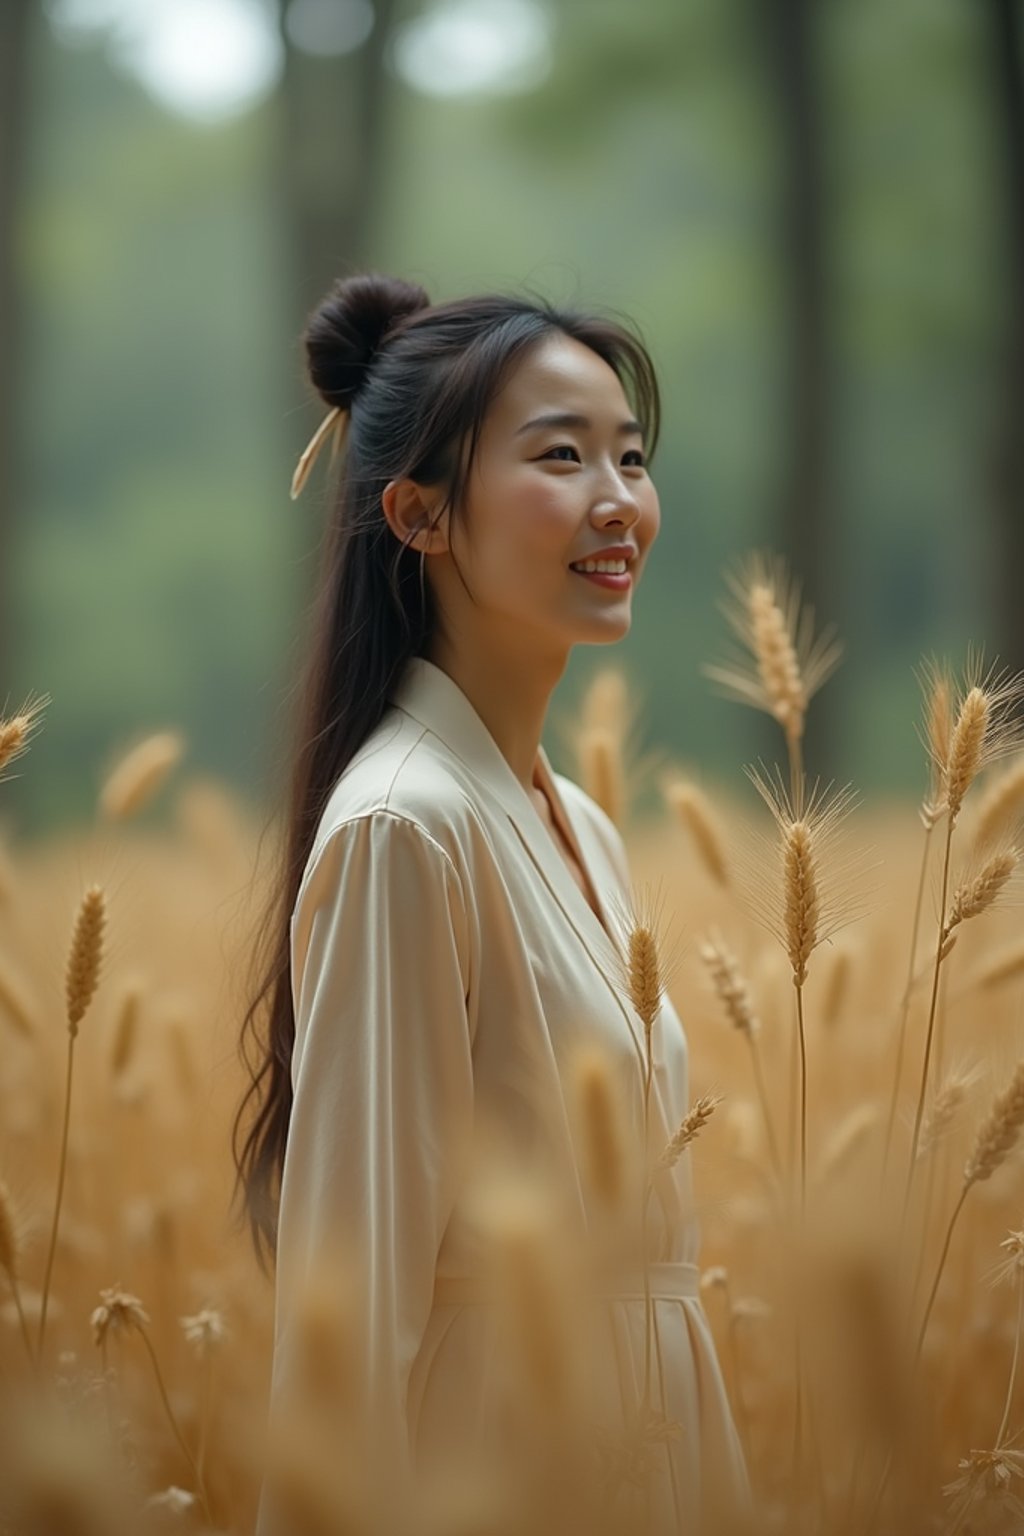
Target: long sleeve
[383,1092]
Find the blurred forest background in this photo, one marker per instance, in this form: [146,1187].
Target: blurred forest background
[813,209]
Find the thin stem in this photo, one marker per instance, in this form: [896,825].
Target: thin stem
[796,792]
[871,1527]
[204,1412]
[907,992]
[931,1021]
[940,1022]
[933,1154]
[938,1273]
[794,1065]
[647,1304]
[797,1420]
[648,1184]
[742,1421]
[1013,1366]
[920,1340]
[762,1092]
[106,1384]
[174,1425]
[855,1466]
[22,1320]
[60,1193]
[794,747]
[803,1101]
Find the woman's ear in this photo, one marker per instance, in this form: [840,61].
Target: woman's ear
[411,509]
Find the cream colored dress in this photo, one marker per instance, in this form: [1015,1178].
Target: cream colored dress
[444,958]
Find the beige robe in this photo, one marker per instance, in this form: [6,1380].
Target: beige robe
[444,958]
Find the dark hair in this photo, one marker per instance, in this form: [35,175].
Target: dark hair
[417,380]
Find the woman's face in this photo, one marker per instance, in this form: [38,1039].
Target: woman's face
[545,493]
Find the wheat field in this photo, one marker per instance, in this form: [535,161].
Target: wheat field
[851,982]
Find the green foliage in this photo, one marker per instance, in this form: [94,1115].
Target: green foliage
[163,372]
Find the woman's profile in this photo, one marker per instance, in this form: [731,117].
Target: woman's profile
[446,913]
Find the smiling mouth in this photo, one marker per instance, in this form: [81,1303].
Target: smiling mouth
[615,581]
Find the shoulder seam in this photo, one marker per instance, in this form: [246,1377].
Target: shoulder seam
[384,810]
[402,764]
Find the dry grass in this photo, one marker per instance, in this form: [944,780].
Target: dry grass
[134,1408]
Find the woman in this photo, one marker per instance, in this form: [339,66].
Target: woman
[452,910]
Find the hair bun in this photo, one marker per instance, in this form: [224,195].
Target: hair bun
[346,329]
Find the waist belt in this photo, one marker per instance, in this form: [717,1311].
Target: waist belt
[666,1278]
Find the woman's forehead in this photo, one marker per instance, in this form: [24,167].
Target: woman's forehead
[560,374]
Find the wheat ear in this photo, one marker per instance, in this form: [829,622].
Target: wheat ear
[693,808]
[17,729]
[135,780]
[734,994]
[81,980]
[1001,808]
[977,894]
[993,1143]
[689,1127]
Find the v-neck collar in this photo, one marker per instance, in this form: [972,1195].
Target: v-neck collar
[427,693]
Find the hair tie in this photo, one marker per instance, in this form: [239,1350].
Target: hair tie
[336,419]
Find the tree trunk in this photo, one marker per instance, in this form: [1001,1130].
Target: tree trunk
[1007,468]
[806,532]
[15,26]
[331,168]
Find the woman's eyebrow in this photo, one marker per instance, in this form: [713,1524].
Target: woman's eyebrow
[573,419]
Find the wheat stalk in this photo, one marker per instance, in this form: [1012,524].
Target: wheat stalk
[601,770]
[943,1111]
[140,773]
[730,985]
[81,980]
[1002,807]
[646,980]
[179,1041]
[935,1128]
[121,1312]
[938,685]
[965,747]
[775,652]
[993,1143]
[1015,1263]
[689,1127]
[776,633]
[798,905]
[837,987]
[206,1333]
[16,1005]
[800,886]
[83,967]
[691,806]
[1002,967]
[16,730]
[10,1257]
[998,1132]
[600,1120]
[986,727]
[734,994]
[979,892]
[126,1029]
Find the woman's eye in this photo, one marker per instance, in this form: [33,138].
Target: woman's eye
[635,453]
